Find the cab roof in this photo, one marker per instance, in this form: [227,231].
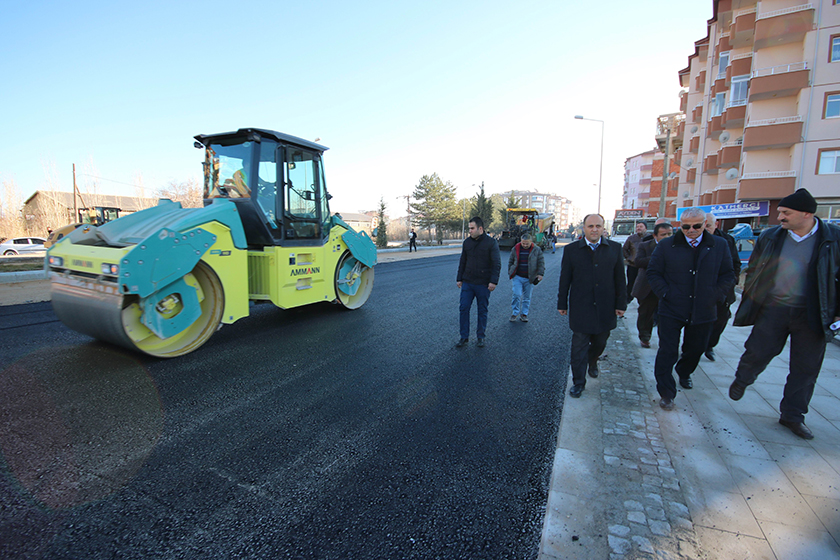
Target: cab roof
[257,133]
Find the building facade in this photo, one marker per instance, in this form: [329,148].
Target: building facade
[565,213]
[762,106]
[637,176]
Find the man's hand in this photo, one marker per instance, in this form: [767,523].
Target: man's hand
[458,283]
[563,311]
[491,287]
[539,278]
[619,313]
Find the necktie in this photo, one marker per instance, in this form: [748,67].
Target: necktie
[694,243]
[593,245]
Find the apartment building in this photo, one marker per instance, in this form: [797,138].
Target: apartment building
[564,211]
[762,107]
[637,172]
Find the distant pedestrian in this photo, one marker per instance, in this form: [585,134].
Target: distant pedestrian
[723,312]
[552,241]
[412,241]
[648,302]
[526,267]
[592,293]
[689,273]
[792,288]
[629,252]
[478,275]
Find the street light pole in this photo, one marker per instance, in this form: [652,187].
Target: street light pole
[601,165]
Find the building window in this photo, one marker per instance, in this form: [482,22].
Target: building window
[717,106]
[723,62]
[832,106]
[739,90]
[835,49]
[828,162]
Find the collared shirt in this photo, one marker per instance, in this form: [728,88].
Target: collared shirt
[807,235]
[593,246]
[694,242]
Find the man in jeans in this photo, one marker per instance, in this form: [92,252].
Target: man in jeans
[478,275]
[526,267]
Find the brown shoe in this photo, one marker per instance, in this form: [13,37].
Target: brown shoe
[645,344]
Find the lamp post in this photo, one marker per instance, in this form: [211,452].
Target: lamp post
[601,165]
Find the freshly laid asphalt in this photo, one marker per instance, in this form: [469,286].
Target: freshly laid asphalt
[713,479]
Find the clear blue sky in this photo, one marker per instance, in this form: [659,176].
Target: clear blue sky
[472,90]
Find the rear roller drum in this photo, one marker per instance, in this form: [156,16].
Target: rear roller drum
[353,281]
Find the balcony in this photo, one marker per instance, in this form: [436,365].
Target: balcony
[681,129]
[723,44]
[710,164]
[691,175]
[740,65]
[782,132]
[734,115]
[778,27]
[779,81]
[700,81]
[724,194]
[697,113]
[715,127]
[729,155]
[694,144]
[742,30]
[683,102]
[768,185]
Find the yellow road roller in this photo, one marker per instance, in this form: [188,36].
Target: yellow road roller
[164,279]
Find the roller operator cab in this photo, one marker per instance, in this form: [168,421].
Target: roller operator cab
[164,279]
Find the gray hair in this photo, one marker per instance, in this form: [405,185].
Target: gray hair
[710,218]
[526,237]
[693,212]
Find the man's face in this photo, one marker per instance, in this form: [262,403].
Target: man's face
[593,228]
[794,219]
[475,231]
[663,233]
[526,243]
[710,226]
[692,227]
[641,228]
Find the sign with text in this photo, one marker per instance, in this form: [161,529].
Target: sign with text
[734,210]
[630,214]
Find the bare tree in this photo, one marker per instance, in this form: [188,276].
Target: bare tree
[188,193]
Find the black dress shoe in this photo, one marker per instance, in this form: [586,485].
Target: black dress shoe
[686,383]
[576,391]
[461,343]
[480,343]
[736,391]
[798,428]
[710,354]
[666,404]
[593,370]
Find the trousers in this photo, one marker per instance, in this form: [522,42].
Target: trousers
[807,350]
[586,349]
[481,294]
[723,315]
[647,310]
[695,340]
[521,295]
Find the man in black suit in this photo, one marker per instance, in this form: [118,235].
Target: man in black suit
[648,302]
[723,312]
[593,292]
[690,273]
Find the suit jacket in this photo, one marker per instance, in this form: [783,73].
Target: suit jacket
[592,285]
[690,282]
[641,289]
[736,262]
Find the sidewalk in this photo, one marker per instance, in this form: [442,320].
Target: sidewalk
[712,479]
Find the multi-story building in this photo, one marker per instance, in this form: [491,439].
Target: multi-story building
[763,106]
[637,175]
[562,207]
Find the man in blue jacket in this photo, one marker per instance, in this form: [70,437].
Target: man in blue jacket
[690,273]
[792,289]
[478,275]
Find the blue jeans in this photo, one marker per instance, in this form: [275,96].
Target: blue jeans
[521,302]
[481,294]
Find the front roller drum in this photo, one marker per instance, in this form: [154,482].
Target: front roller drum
[100,311]
[353,281]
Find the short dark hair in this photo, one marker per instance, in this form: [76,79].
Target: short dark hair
[479,223]
[603,221]
[658,227]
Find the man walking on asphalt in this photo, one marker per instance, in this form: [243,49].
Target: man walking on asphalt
[526,267]
[412,241]
[689,273]
[631,245]
[648,302]
[592,293]
[791,289]
[723,313]
[478,275]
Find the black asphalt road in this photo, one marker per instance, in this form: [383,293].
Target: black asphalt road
[310,433]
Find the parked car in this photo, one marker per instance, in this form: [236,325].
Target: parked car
[22,246]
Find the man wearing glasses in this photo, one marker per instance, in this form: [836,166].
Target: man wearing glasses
[690,273]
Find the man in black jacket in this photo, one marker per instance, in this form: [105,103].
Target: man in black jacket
[723,313]
[478,275]
[791,289]
[689,273]
[648,302]
[593,292]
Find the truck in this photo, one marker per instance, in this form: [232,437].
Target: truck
[97,216]
[624,224]
[163,280]
[526,220]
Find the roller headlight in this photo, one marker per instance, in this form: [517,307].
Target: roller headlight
[56,261]
[111,269]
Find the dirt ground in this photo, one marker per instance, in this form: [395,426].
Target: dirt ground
[16,293]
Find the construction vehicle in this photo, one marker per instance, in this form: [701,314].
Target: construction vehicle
[526,220]
[164,279]
[97,216]
[624,224]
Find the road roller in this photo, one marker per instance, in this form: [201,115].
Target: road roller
[162,280]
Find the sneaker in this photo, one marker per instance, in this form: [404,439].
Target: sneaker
[513,318]
[480,343]
[523,318]
[461,343]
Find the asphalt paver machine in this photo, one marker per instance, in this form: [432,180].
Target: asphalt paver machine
[164,279]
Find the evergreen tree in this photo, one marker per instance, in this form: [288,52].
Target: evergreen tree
[483,208]
[510,202]
[435,207]
[381,229]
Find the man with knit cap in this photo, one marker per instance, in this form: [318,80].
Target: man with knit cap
[791,289]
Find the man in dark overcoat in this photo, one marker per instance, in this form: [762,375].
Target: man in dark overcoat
[690,273]
[593,292]
[648,302]
[723,312]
